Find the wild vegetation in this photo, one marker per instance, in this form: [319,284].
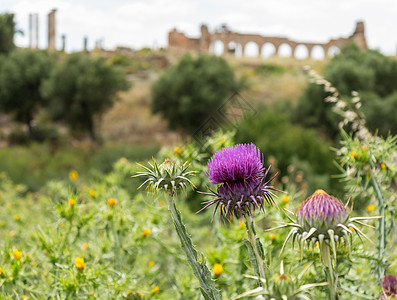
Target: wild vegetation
[214,220]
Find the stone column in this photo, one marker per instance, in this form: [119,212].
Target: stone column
[63,42]
[30,31]
[51,30]
[36,22]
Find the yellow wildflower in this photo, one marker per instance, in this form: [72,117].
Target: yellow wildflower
[218,269]
[139,295]
[155,289]
[72,202]
[359,270]
[178,150]
[146,232]
[80,265]
[92,193]
[285,199]
[272,237]
[17,217]
[24,297]
[34,264]
[241,224]
[73,175]
[1,272]
[17,254]
[370,207]
[354,155]
[85,246]
[151,263]
[383,166]
[93,292]
[351,228]
[112,202]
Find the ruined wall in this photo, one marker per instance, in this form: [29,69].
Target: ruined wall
[178,41]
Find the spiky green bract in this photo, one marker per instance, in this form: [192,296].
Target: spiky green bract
[168,176]
[282,286]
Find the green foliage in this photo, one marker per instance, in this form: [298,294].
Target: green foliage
[191,91]
[41,163]
[22,74]
[370,73]
[7,31]
[82,88]
[290,144]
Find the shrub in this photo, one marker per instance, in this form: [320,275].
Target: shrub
[189,92]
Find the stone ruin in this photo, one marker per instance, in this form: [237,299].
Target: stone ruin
[179,42]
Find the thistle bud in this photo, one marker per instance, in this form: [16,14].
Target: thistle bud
[169,176]
[389,287]
[324,219]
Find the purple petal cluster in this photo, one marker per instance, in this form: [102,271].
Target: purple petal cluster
[241,178]
[321,209]
[389,285]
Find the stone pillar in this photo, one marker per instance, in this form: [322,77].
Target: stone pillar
[63,42]
[293,48]
[36,22]
[51,30]
[85,44]
[30,31]
[309,51]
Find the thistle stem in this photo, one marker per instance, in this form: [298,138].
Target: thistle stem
[249,224]
[200,269]
[329,271]
[380,268]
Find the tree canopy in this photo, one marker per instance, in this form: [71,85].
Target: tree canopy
[82,87]
[22,74]
[7,31]
[189,92]
[371,74]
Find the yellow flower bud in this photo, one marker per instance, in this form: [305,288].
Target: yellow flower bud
[218,269]
[370,207]
[285,199]
[178,150]
[112,202]
[155,289]
[383,166]
[241,224]
[92,193]
[272,237]
[85,246]
[72,202]
[151,263]
[354,155]
[17,254]
[146,232]
[80,265]
[73,175]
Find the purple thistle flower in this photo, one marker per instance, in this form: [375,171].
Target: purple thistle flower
[322,212]
[239,173]
[389,286]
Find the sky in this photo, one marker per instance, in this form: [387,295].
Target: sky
[145,23]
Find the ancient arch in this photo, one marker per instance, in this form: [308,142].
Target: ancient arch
[285,50]
[207,42]
[318,52]
[301,52]
[268,50]
[218,47]
[251,49]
